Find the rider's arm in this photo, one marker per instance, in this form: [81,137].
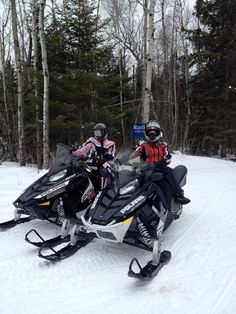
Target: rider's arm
[137,152]
[83,151]
[166,154]
[110,154]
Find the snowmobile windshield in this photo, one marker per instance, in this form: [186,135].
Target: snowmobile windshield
[61,160]
[128,169]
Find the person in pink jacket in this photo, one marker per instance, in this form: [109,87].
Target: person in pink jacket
[96,151]
[97,146]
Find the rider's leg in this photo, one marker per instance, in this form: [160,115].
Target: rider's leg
[176,188]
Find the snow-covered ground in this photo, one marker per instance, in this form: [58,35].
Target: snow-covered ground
[200,278]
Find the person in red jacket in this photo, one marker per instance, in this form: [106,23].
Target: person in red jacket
[154,151]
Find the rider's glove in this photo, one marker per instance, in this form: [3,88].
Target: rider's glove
[100,161]
[161,165]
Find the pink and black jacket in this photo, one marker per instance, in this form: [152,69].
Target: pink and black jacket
[93,148]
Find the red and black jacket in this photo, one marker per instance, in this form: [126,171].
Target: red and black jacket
[154,152]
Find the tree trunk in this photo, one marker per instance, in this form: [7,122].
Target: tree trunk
[6,121]
[149,62]
[173,78]
[36,88]
[45,85]
[144,65]
[121,96]
[20,86]
[81,135]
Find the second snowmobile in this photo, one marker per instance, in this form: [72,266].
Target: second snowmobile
[63,191]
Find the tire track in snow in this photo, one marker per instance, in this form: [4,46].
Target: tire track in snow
[192,227]
[215,302]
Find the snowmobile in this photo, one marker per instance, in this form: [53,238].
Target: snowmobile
[67,185]
[131,209]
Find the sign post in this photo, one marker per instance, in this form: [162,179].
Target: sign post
[138,130]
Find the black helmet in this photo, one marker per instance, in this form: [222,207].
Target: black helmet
[152,131]
[100,131]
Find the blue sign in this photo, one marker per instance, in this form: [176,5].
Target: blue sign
[138,130]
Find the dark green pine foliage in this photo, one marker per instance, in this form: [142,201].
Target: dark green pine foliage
[214,68]
[84,78]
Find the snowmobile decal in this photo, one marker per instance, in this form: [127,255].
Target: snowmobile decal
[131,206]
[45,204]
[55,188]
[88,193]
[96,200]
[50,191]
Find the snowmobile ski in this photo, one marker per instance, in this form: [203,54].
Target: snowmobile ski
[150,270]
[51,242]
[67,250]
[12,223]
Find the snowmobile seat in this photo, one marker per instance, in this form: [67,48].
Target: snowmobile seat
[180,174]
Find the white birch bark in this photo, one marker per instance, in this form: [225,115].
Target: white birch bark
[20,85]
[144,65]
[149,60]
[121,96]
[45,86]
[35,10]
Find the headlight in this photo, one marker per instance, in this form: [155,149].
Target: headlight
[129,187]
[58,176]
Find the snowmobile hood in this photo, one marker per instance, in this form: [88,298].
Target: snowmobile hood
[60,173]
[124,195]
[112,206]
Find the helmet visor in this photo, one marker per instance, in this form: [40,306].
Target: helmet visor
[100,133]
[154,132]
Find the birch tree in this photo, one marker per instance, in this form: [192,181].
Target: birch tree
[35,11]
[148,59]
[6,118]
[20,85]
[45,86]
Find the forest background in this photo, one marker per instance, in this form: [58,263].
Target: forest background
[67,64]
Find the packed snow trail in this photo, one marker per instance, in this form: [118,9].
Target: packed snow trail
[200,278]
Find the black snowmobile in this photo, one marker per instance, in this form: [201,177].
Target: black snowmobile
[65,187]
[131,209]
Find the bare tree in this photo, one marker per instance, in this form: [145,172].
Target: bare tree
[20,85]
[126,31]
[184,20]
[35,14]
[148,59]
[46,86]
[171,67]
[5,121]
[145,103]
